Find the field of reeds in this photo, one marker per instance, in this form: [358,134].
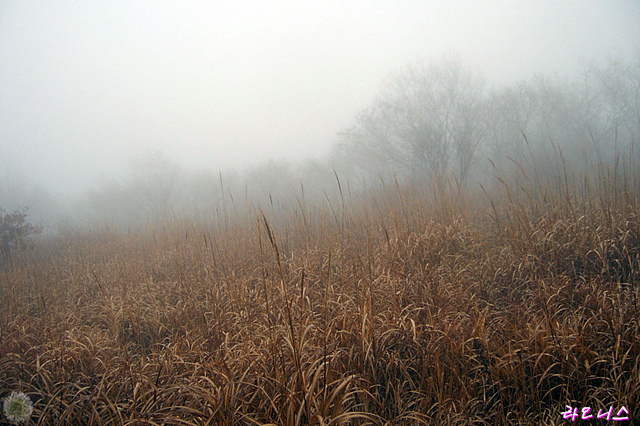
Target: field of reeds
[406,305]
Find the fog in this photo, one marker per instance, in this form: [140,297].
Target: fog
[90,89]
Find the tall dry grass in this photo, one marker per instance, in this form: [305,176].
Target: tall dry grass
[398,307]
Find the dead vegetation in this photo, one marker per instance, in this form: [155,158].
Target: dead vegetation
[386,309]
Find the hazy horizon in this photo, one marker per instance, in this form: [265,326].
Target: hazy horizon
[87,87]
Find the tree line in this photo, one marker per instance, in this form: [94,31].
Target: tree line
[434,121]
[438,120]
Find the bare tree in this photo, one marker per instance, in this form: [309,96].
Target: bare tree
[156,179]
[427,121]
[613,94]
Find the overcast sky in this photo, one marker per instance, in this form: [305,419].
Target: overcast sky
[85,86]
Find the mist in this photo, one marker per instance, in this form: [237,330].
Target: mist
[279,212]
[97,97]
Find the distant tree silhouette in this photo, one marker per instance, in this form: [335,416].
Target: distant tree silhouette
[428,120]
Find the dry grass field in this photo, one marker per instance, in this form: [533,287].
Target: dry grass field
[402,306]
